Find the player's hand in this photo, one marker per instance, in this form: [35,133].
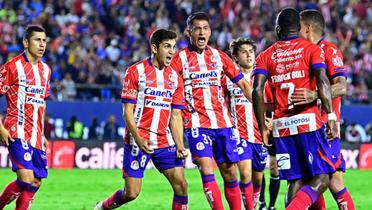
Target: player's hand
[182,153]
[302,96]
[265,133]
[269,123]
[331,130]
[5,135]
[144,145]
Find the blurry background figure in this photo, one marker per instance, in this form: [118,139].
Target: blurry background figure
[95,130]
[111,128]
[75,128]
[356,133]
[48,127]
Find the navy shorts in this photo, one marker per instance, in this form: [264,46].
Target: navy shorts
[24,156]
[216,143]
[303,155]
[337,158]
[255,152]
[135,160]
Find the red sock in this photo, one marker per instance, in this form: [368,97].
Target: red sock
[180,202]
[212,192]
[247,194]
[319,204]
[256,194]
[303,199]
[233,195]
[344,200]
[114,201]
[12,191]
[24,201]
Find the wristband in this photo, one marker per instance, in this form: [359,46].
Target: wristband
[332,116]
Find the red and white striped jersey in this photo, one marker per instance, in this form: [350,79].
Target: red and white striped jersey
[288,65]
[242,112]
[202,73]
[25,86]
[154,92]
[335,68]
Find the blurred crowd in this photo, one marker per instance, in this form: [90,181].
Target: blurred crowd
[91,43]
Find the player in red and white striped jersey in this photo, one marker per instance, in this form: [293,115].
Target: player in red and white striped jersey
[252,153]
[24,80]
[206,117]
[312,29]
[153,99]
[301,147]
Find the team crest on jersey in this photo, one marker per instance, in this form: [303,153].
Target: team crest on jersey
[200,146]
[132,92]
[279,124]
[27,156]
[134,165]
[280,68]
[5,88]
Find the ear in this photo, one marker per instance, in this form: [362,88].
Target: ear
[154,49]
[235,59]
[25,43]
[278,30]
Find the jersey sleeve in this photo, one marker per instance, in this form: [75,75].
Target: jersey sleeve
[130,86]
[178,96]
[334,62]
[5,79]
[316,58]
[230,69]
[260,66]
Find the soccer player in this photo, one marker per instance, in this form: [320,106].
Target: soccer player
[312,29]
[302,151]
[206,117]
[24,80]
[153,99]
[252,153]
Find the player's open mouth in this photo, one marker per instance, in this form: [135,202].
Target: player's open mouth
[201,40]
[168,58]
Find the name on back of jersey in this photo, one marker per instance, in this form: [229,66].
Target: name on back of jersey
[288,76]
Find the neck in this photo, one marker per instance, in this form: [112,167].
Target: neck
[246,70]
[31,59]
[315,38]
[156,63]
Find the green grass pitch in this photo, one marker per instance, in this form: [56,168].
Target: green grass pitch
[81,189]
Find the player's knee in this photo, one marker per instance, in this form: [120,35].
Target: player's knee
[322,182]
[245,177]
[336,183]
[181,187]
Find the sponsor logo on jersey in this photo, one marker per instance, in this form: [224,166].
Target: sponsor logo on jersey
[35,90]
[203,75]
[158,92]
[281,55]
[33,100]
[157,104]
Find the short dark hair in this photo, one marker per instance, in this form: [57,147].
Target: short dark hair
[196,16]
[288,19]
[235,45]
[161,35]
[30,29]
[314,17]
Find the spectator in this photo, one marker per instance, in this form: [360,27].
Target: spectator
[95,129]
[75,128]
[111,128]
[69,88]
[48,127]
[356,133]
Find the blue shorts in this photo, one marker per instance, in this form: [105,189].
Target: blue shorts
[337,158]
[135,160]
[24,156]
[216,143]
[255,152]
[303,155]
